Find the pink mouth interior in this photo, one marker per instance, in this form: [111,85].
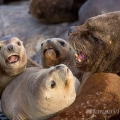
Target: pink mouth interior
[12,59]
[80,57]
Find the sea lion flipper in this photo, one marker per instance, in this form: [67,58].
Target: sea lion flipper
[31,63]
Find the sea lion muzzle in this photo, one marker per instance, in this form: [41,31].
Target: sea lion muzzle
[10,47]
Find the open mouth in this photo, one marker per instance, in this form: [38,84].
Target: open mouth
[12,59]
[80,56]
[51,52]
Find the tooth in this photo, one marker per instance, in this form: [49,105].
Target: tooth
[79,60]
[76,55]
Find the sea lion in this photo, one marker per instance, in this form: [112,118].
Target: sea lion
[39,93]
[93,8]
[55,51]
[55,11]
[97,43]
[98,98]
[13,59]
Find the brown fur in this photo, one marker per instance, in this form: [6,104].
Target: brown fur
[56,51]
[97,95]
[99,40]
[55,11]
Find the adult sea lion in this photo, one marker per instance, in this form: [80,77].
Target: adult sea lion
[39,93]
[97,43]
[13,59]
[55,11]
[55,51]
[98,98]
[93,8]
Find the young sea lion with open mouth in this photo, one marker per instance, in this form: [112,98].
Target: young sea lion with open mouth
[97,43]
[13,59]
[56,51]
[39,93]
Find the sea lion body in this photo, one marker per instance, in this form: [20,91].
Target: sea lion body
[55,11]
[39,93]
[13,60]
[98,98]
[97,43]
[93,8]
[55,51]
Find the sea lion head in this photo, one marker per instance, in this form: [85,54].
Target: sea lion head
[12,55]
[54,89]
[97,43]
[55,51]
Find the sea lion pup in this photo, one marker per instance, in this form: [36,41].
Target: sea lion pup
[55,51]
[39,93]
[97,43]
[55,11]
[93,8]
[98,98]
[13,59]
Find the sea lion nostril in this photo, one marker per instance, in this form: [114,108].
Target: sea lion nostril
[62,43]
[10,47]
[71,30]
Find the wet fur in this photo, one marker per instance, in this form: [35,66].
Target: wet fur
[99,39]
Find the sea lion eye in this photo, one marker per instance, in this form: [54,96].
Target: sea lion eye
[62,43]
[53,84]
[94,38]
[19,43]
[41,44]
[97,39]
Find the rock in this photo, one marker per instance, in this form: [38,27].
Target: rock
[93,8]
[15,20]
